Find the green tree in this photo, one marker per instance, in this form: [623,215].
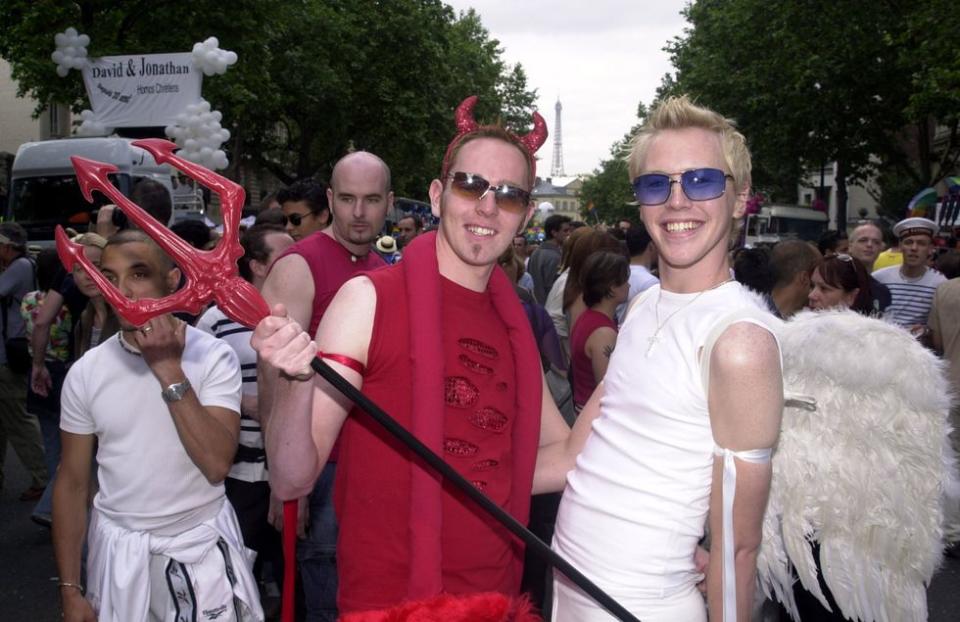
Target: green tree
[808,82]
[315,78]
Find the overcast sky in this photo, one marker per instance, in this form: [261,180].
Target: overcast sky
[600,57]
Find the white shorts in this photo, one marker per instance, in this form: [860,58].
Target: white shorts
[572,605]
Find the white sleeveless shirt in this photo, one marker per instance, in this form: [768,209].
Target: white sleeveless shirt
[636,504]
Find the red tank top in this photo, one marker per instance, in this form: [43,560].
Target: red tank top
[583,381]
[372,493]
[331,265]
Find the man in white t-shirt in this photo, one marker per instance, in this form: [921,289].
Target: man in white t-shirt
[912,285]
[161,403]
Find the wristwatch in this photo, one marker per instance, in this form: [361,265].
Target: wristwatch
[176,391]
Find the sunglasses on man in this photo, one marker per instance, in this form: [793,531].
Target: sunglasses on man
[699,184]
[473,187]
[295,219]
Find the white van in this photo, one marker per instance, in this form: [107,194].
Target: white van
[44,192]
[784,222]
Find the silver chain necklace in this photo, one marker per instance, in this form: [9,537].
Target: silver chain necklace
[654,339]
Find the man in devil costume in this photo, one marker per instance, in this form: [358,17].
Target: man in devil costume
[442,339]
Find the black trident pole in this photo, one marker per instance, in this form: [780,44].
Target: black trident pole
[439,465]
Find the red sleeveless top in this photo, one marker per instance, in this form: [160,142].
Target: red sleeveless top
[583,380]
[372,493]
[331,265]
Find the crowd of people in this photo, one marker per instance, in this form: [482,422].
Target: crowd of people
[619,389]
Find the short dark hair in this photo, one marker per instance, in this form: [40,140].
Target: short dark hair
[417,222]
[312,192]
[830,240]
[603,271]
[154,198]
[554,223]
[791,257]
[751,267]
[949,263]
[583,247]
[254,242]
[271,216]
[194,232]
[638,239]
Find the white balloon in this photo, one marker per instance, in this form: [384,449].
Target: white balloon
[82,52]
[62,71]
[88,115]
[231,57]
[60,39]
[69,51]
[217,115]
[206,151]
[192,109]
[213,42]
[57,57]
[204,105]
[190,144]
[70,32]
[224,135]
[84,40]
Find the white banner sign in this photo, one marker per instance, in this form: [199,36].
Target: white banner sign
[141,90]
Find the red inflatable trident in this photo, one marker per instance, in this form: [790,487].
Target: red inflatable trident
[211,275]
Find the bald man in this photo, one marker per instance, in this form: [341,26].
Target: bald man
[305,280]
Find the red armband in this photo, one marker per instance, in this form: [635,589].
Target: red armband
[346,361]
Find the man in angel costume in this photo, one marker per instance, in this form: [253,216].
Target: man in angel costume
[441,340]
[864,487]
[162,404]
[686,416]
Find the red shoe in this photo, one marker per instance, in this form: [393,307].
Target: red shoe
[32,494]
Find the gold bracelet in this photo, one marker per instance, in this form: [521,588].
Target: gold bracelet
[71,584]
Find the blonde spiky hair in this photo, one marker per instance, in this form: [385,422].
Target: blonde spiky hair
[676,113]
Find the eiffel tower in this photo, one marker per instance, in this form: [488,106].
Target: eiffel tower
[556,170]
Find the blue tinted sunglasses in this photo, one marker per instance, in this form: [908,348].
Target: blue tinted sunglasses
[699,184]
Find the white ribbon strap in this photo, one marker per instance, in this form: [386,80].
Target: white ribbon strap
[756,456]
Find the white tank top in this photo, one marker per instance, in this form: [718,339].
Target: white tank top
[636,504]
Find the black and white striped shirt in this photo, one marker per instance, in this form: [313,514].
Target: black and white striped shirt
[910,299]
[249,464]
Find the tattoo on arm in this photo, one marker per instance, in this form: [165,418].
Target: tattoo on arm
[607,351]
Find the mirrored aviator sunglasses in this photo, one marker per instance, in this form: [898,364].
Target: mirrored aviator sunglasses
[699,184]
[474,187]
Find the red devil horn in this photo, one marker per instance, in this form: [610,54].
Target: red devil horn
[464,115]
[537,136]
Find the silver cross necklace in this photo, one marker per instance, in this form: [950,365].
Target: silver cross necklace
[654,339]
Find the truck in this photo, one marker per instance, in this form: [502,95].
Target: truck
[44,192]
[775,223]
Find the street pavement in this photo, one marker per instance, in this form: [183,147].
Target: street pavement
[28,575]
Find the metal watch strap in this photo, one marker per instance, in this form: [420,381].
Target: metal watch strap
[176,391]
